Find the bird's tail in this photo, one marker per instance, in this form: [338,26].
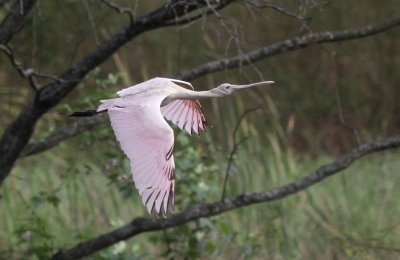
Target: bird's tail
[105,104]
[85,113]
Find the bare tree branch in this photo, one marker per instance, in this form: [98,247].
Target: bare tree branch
[339,101]
[69,131]
[13,22]
[288,45]
[142,225]
[279,8]
[212,9]
[121,10]
[28,73]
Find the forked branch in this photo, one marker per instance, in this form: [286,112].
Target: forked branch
[142,225]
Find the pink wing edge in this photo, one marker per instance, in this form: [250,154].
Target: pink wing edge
[158,192]
[186,114]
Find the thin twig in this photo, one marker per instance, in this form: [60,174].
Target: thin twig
[28,73]
[228,167]
[339,102]
[279,8]
[236,145]
[121,10]
[92,22]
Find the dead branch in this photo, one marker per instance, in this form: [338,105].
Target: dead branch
[288,45]
[28,73]
[121,10]
[276,7]
[67,132]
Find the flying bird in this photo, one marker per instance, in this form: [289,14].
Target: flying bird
[137,118]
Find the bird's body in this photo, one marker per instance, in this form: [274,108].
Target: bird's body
[137,118]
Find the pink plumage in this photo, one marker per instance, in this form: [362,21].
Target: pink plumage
[147,140]
[186,114]
[137,118]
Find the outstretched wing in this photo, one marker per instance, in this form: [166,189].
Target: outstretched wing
[147,140]
[186,114]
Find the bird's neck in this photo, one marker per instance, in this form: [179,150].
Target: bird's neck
[189,94]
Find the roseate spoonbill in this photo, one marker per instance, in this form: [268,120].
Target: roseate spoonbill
[136,117]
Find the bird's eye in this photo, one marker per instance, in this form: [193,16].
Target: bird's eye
[227,87]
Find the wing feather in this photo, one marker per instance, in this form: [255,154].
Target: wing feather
[189,122]
[186,114]
[169,110]
[195,126]
[175,114]
[147,140]
[183,116]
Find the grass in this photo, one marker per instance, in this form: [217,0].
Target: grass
[351,215]
[76,191]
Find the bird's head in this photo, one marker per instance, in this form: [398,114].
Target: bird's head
[227,89]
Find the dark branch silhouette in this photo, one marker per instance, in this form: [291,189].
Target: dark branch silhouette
[288,45]
[142,225]
[69,131]
[14,20]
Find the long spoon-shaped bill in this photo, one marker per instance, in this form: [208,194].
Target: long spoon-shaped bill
[263,83]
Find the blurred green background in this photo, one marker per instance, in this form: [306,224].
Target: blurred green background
[82,188]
